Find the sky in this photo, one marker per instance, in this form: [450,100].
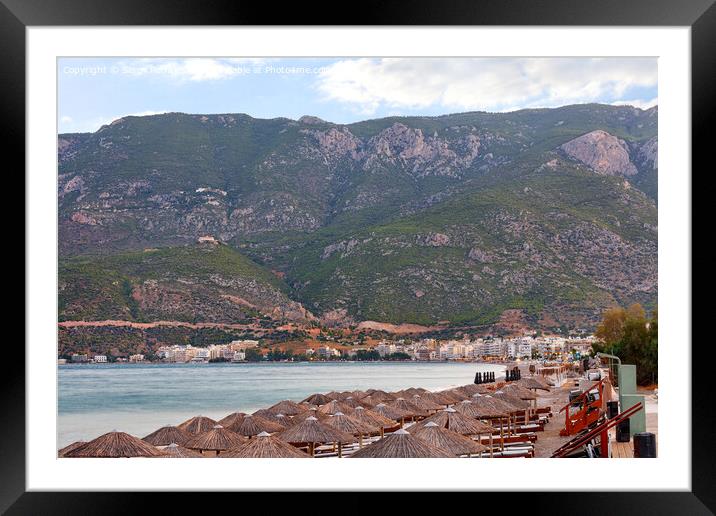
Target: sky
[93,91]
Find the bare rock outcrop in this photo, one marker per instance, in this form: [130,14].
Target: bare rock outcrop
[602,152]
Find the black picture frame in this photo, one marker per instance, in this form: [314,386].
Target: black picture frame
[700,15]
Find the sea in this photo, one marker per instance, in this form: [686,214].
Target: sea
[139,398]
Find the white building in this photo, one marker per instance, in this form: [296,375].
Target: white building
[100,359]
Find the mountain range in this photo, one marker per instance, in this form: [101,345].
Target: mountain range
[540,216]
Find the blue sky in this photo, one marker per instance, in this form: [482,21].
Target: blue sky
[93,91]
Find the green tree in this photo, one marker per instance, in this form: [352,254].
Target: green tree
[632,337]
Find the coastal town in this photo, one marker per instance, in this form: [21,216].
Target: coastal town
[424,350]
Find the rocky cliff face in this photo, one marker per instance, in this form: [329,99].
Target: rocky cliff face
[404,220]
[602,152]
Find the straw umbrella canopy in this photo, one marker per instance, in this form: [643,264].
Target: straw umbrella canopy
[453,420]
[381,395]
[333,395]
[470,388]
[352,426]
[175,451]
[483,407]
[533,382]
[115,444]
[217,439]
[287,408]
[309,413]
[373,419]
[401,445]
[254,425]
[512,400]
[167,435]
[281,419]
[335,406]
[265,446]
[425,403]
[449,396]
[369,401]
[198,425]
[231,419]
[499,403]
[312,431]
[519,391]
[394,413]
[351,402]
[73,446]
[412,391]
[413,410]
[317,399]
[437,397]
[469,409]
[460,392]
[447,440]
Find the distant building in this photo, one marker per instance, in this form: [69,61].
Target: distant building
[243,345]
[99,359]
[239,356]
[136,358]
[79,358]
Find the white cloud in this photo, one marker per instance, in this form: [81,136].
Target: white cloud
[93,124]
[492,84]
[190,69]
[641,104]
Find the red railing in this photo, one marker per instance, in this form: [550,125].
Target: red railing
[586,415]
[602,428]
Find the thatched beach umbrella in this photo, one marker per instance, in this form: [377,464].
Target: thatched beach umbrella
[311,431]
[439,398]
[516,402]
[287,408]
[450,397]
[505,406]
[413,410]
[373,419]
[254,425]
[483,407]
[534,382]
[231,419]
[335,406]
[115,444]
[460,392]
[394,413]
[381,395]
[198,425]
[449,441]
[425,403]
[400,445]
[281,419]
[175,451]
[452,420]
[369,401]
[349,425]
[351,402]
[265,446]
[309,413]
[217,439]
[317,399]
[73,446]
[514,389]
[167,435]
[520,392]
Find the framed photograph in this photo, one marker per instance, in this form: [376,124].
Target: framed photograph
[429,239]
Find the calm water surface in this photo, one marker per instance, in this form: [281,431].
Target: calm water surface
[138,398]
